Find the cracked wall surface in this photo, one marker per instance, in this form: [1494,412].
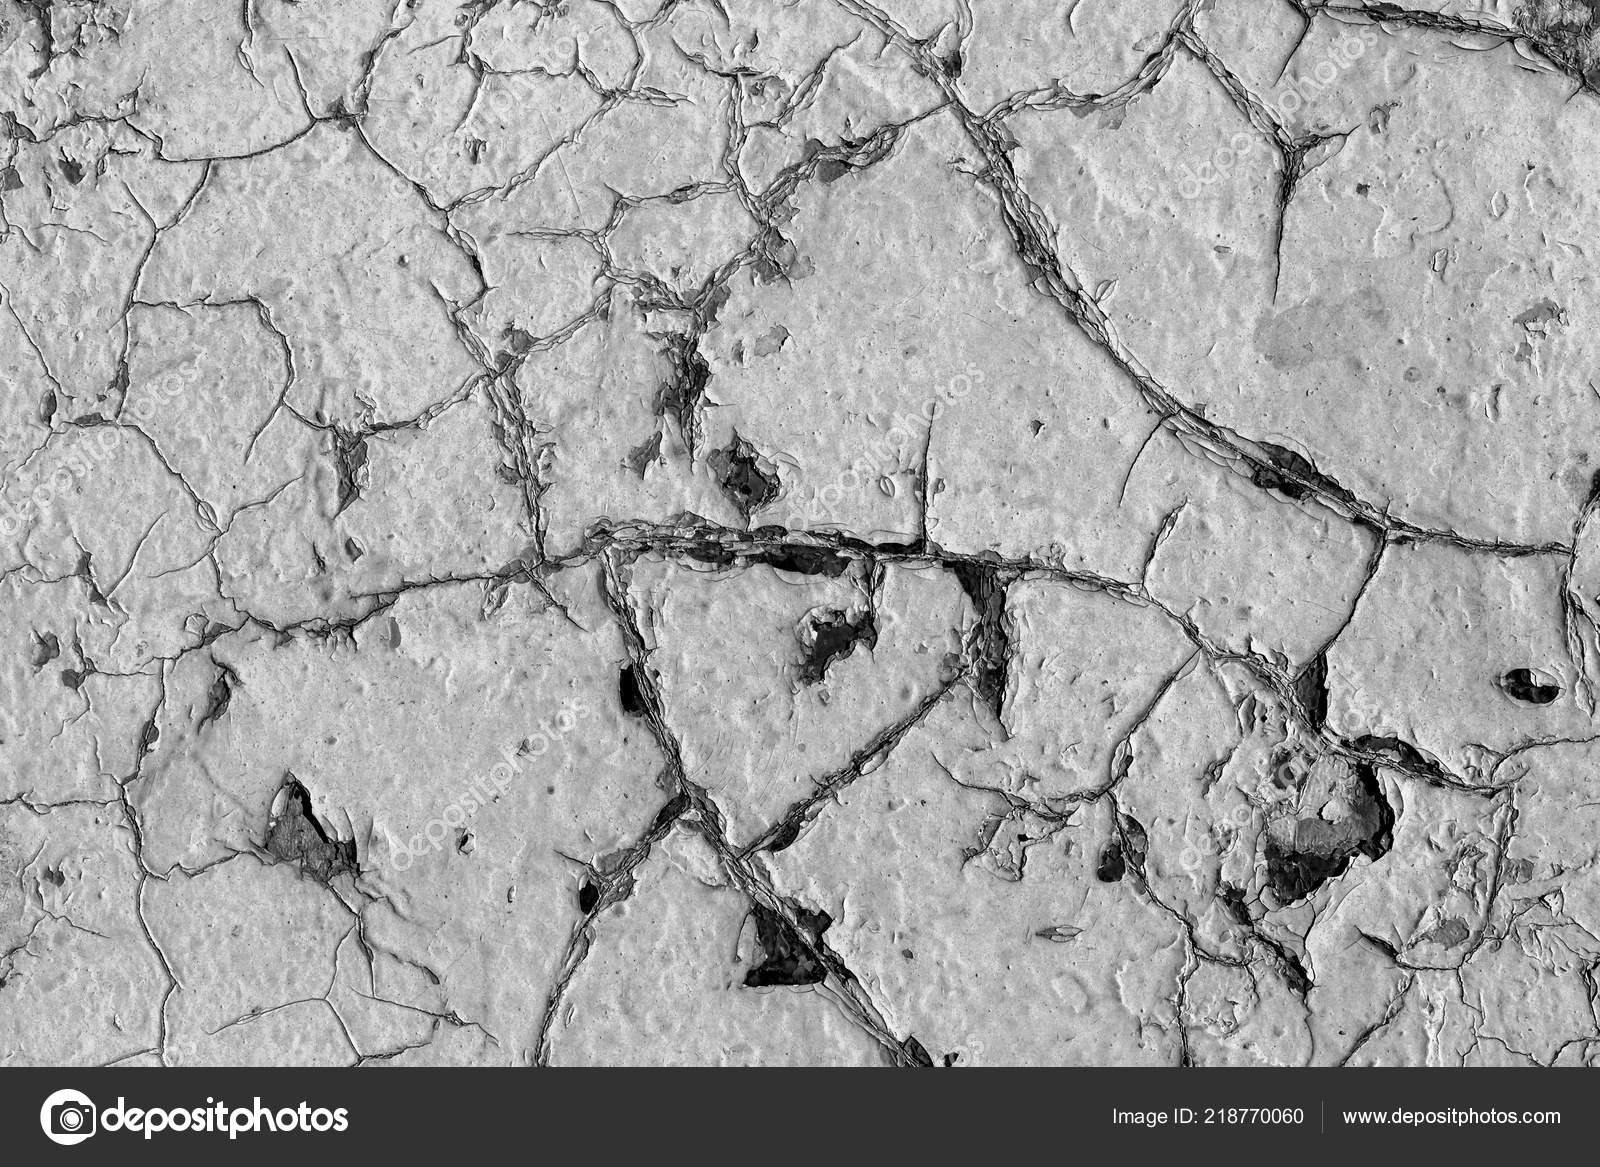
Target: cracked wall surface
[936,532]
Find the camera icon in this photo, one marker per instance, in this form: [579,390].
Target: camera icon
[71,1118]
[68,1117]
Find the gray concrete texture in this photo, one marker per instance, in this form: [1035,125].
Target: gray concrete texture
[957,532]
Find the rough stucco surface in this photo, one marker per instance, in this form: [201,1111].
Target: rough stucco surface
[964,532]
